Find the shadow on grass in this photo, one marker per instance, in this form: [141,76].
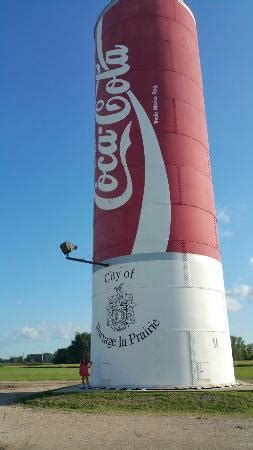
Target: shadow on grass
[12,398]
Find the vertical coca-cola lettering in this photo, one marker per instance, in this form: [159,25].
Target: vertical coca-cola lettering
[120,106]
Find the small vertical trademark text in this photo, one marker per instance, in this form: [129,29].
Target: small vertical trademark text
[155,105]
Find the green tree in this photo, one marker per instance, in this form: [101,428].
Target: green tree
[60,356]
[239,348]
[250,351]
[79,346]
[16,359]
[72,354]
[39,358]
[34,358]
[48,357]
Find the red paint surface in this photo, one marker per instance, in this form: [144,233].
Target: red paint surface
[163,50]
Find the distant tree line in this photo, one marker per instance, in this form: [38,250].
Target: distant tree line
[81,345]
[73,353]
[240,350]
[69,355]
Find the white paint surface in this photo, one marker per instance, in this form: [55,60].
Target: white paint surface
[152,236]
[188,9]
[191,345]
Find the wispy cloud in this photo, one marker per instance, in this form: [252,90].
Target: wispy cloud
[251,262]
[227,233]
[243,291]
[233,304]
[42,332]
[223,216]
[45,331]
[237,295]
[224,219]
[29,333]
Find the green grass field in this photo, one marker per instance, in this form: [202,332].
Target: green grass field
[204,402]
[39,373]
[244,373]
[70,373]
[162,403]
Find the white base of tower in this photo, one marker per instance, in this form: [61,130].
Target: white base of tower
[160,321]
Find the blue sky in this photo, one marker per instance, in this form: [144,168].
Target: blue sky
[46,171]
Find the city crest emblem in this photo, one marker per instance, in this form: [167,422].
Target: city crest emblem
[120,309]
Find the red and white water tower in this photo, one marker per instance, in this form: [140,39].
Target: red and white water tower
[159,310]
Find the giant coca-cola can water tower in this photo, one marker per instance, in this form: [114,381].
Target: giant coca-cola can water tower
[159,310]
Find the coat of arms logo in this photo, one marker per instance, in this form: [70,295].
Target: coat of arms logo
[120,309]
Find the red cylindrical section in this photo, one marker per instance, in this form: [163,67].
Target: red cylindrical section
[153,185]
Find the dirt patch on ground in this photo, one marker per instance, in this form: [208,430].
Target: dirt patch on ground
[22,428]
[51,430]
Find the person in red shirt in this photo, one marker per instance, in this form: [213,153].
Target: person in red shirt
[85,364]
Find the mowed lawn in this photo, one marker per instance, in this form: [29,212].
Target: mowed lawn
[162,403]
[244,373]
[71,373]
[40,373]
[124,402]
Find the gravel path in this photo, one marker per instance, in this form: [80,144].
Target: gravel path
[22,428]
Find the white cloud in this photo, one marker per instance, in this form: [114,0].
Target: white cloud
[251,262]
[233,304]
[227,233]
[243,291]
[29,333]
[224,220]
[66,331]
[238,294]
[39,332]
[223,216]
[43,332]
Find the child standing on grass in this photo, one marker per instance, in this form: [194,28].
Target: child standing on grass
[85,364]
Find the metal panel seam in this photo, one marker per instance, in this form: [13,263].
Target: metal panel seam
[151,15]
